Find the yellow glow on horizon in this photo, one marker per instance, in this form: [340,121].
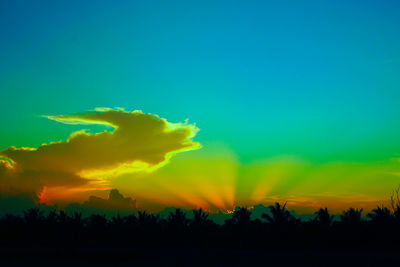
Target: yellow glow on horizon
[136,158]
[208,182]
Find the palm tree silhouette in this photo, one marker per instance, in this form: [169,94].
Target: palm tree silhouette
[381,215]
[323,217]
[241,216]
[33,216]
[351,216]
[147,219]
[97,221]
[130,220]
[52,218]
[76,219]
[62,217]
[279,215]
[117,220]
[200,217]
[395,203]
[177,218]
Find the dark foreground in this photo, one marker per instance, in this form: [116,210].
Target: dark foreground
[143,239]
[191,257]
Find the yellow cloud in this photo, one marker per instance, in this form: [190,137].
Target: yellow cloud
[138,142]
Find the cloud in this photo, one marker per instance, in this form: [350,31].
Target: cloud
[115,201]
[115,204]
[138,142]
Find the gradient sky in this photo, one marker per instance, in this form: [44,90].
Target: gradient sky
[295,100]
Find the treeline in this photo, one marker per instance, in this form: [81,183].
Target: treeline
[277,230]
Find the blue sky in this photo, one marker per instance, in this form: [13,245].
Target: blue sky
[310,78]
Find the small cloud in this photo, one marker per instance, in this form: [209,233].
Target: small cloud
[115,201]
[115,204]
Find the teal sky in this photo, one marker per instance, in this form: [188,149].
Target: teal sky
[315,79]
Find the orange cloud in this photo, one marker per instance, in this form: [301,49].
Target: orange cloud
[139,142]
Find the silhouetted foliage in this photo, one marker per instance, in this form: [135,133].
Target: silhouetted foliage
[177,219]
[351,217]
[381,216]
[241,216]
[323,218]
[378,230]
[395,203]
[279,215]
[146,219]
[33,217]
[200,218]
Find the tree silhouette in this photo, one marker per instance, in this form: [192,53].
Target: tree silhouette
[76,219]
[351,216]
[63,217]
[97,221]
[11,219]
[395,204]
[279,215]
[200,217]
[381,215]
[33,216]
[177,219]
[146,230]
[117,220]
[323,218]
[52,218]
[147,219]
[241,216]
[130,220]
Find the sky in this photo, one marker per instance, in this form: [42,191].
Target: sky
[292,101]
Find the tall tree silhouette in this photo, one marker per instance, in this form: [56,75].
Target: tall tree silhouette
[147,219]
[62,217]
[381,215]
[395,204]
[200,217]
[33,216]
[323,218]
[117,220]
[146,230]
[351,216]
[97,221]
[279,215]
[52,218]
[131,220]
[76,219]
[241,216]
[177,218]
